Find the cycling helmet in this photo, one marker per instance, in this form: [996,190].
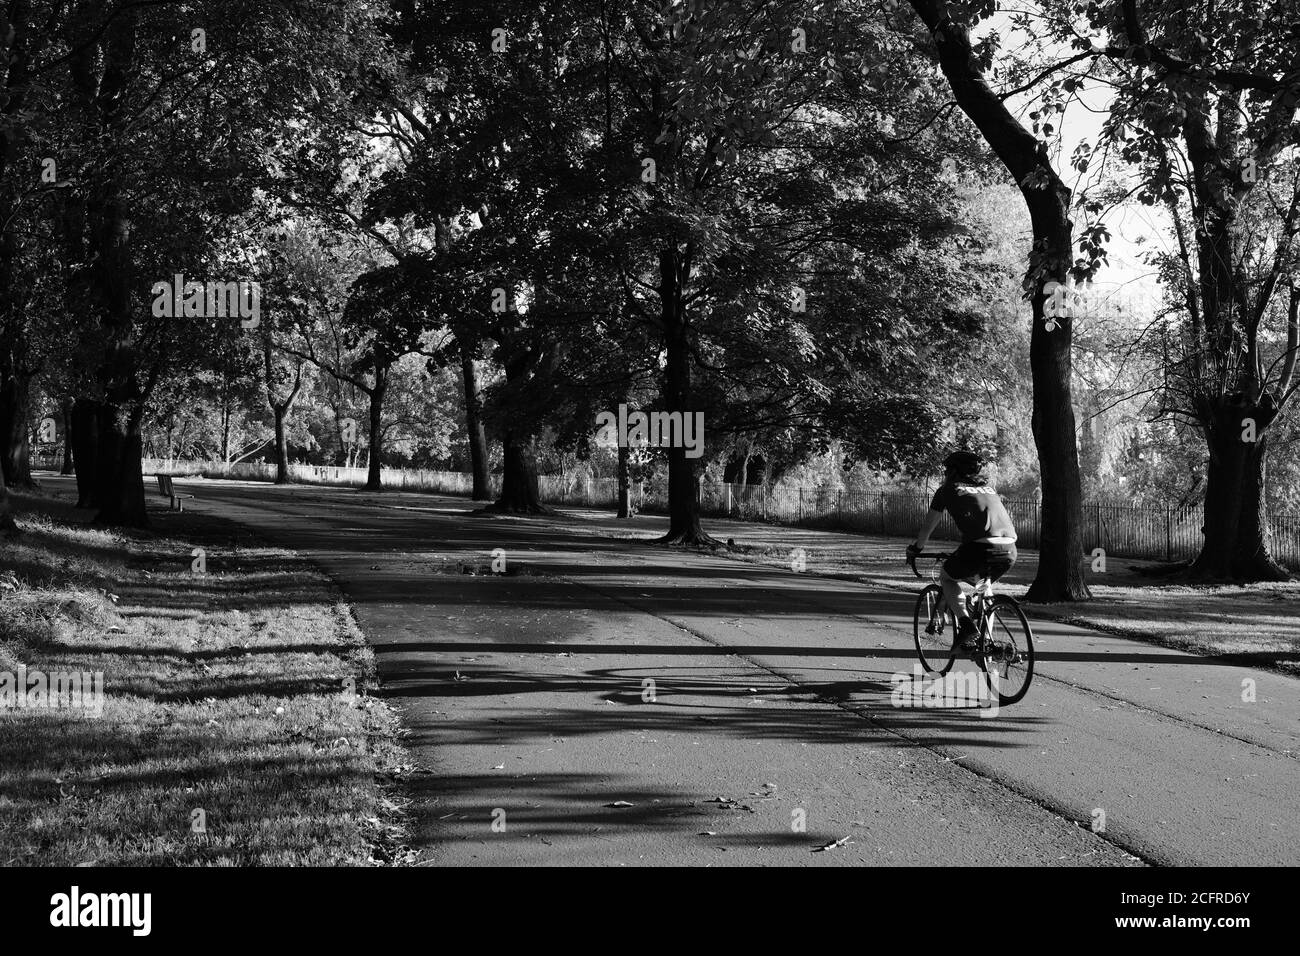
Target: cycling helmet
[964,465]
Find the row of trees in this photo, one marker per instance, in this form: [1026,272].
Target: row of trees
[762,211]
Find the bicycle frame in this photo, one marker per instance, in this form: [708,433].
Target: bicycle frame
[992,655]
[978,596]
[979,601]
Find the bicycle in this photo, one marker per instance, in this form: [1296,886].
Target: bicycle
[1005,644]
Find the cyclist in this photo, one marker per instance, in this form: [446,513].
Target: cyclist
[988,538]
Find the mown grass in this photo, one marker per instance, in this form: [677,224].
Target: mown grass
[236,725]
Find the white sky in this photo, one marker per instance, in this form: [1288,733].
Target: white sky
[1134,228]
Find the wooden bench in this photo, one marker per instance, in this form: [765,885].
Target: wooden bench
[167,491]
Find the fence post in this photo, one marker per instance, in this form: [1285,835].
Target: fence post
[882,512]
[728,499]
[588,489]
[1097,512]
[801,502]
[1169,534]
[839,506]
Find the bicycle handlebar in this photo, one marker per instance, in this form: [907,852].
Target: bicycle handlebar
[911,562]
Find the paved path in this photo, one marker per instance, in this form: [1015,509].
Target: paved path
[769,707]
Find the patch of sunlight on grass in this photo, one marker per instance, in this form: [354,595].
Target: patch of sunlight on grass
[236,699]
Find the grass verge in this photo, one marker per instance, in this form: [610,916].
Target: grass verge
[235,725]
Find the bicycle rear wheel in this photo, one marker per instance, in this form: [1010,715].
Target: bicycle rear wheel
[1008,658]
[934,631]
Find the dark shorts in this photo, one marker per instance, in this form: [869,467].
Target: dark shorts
[975,560]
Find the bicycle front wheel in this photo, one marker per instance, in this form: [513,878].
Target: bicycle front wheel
[934,631]
[1008,658]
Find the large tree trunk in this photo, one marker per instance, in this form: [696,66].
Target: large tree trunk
[1060,572]
[15,426]
[120,485]
[225,426]
[1060,546]
[1253,551]
[24,42]
[478,452]
[281,413]
[83,437]
[683,503]
[375,452]
[15,376]
[279,408]
[624,482]
[1234,400]
[67,439]
[520,491]
[120,482]
[1237,543]
[14,465]
[7,524]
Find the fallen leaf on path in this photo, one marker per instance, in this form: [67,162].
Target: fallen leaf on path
[726,803]
[832,845]
[619,803]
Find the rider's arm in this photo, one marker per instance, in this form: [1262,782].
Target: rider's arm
[932,520]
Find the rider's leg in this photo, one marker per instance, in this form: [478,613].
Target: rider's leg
[965,564]
[966,630]
[952,595]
